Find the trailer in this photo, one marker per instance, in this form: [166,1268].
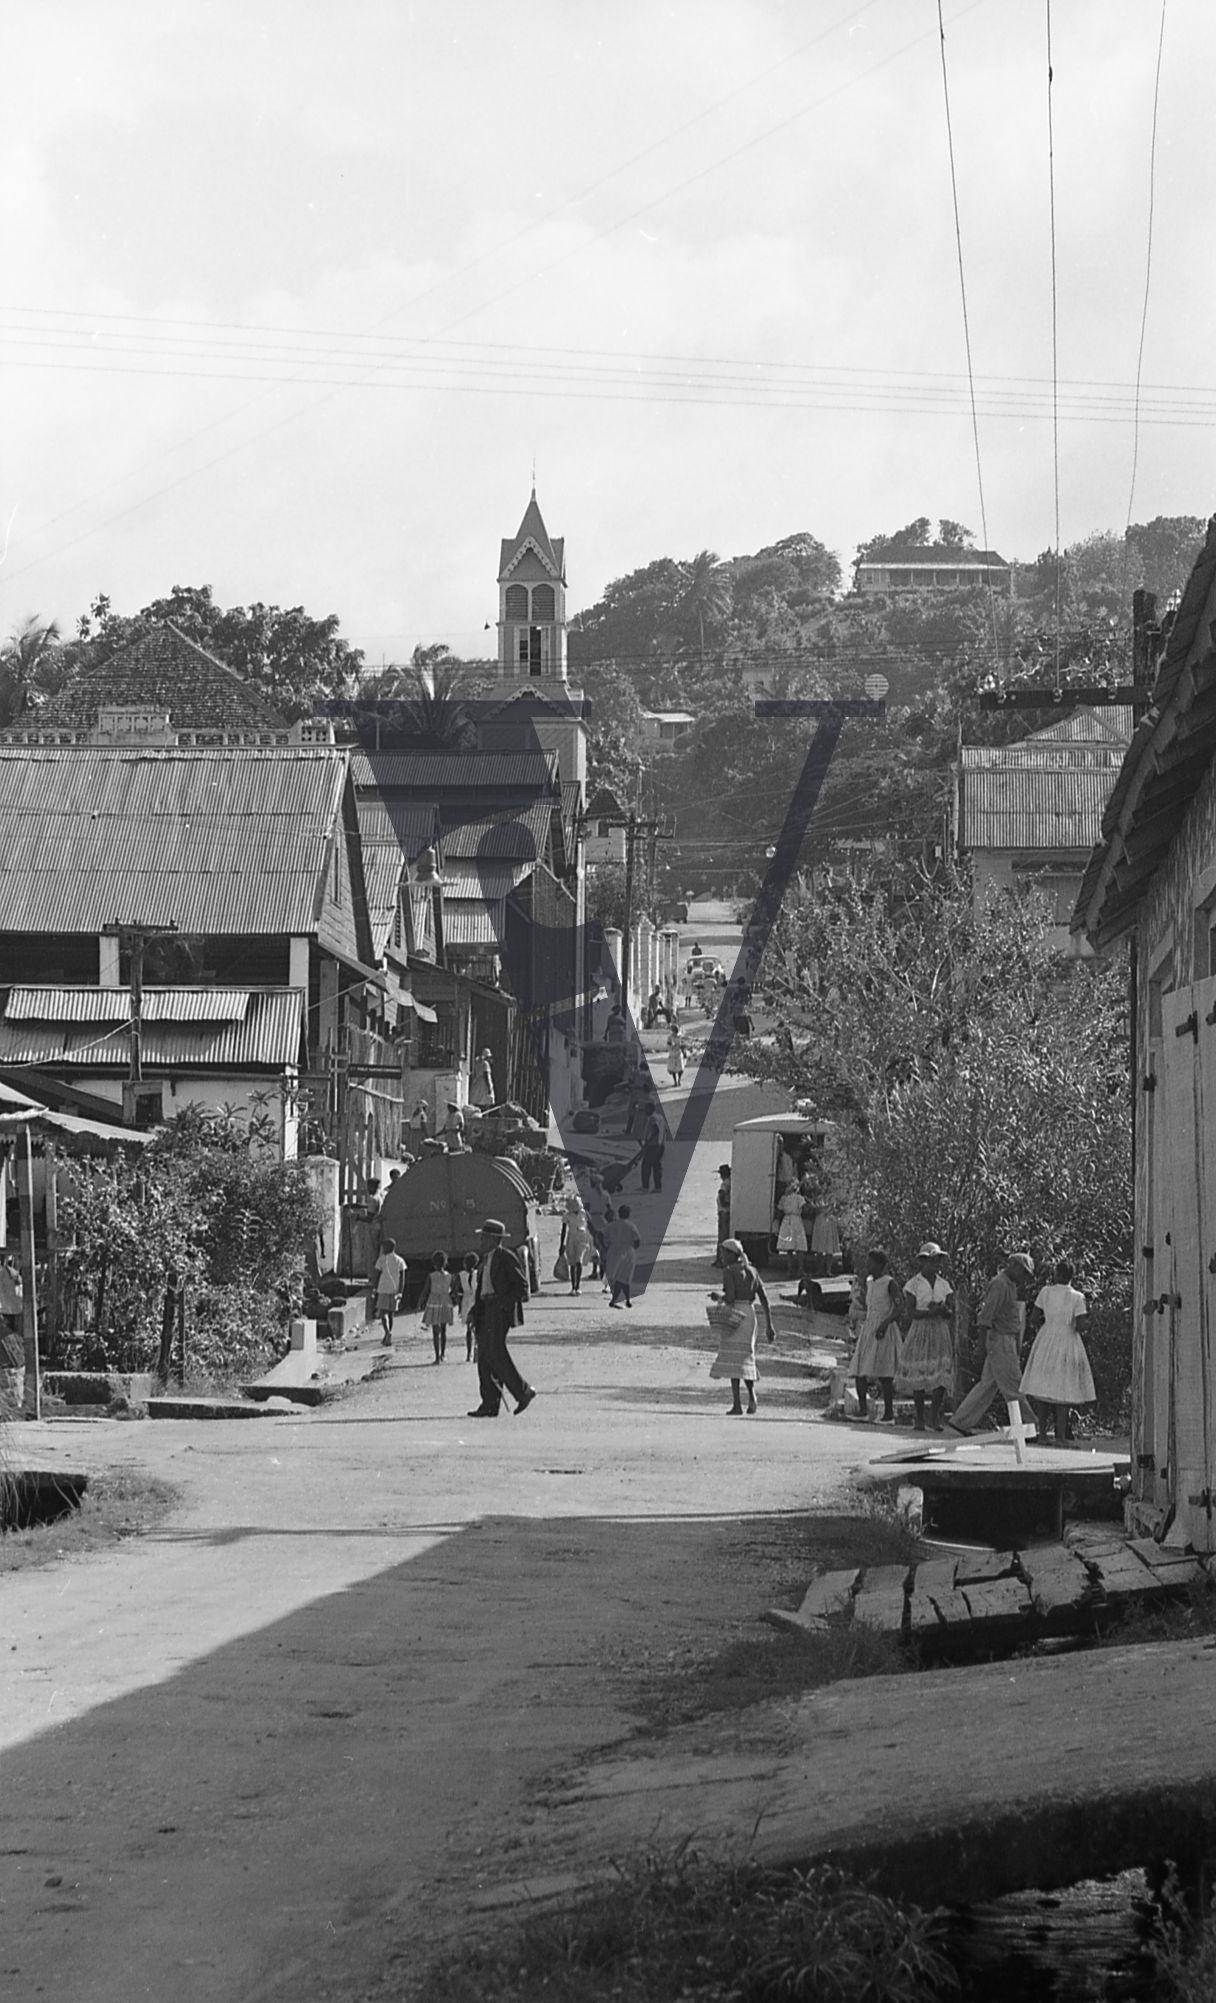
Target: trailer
[438,1206]
[753,1175]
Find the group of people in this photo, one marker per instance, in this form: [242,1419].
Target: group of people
[486,1293]
[905,1341]
[606,1232]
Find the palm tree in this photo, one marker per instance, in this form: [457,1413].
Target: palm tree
[26,655]
[706,594]
[432,701]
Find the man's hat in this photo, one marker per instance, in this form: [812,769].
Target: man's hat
[724,1168]
[1022,1259]
[930,1250]
[732,1245]
[494,1224]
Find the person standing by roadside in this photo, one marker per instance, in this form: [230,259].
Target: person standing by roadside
[877,1349]
[723,1210]
[654,1141]
[676,1055]
[390,1279]
[12,1345]
[498,1306]
[1057,1369]
[1002,1318]
[575,1242]
[926,1365]
[623,1241]
[742,1290]
[481,1084]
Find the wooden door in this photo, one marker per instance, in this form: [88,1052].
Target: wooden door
[1182,1273]
[1204,997]
[1152,1364]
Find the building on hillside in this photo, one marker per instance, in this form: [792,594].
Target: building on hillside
[238,873]
[1151,881]
[161,689]
[1028,814]
[666,729]
[932,567]
[604,841]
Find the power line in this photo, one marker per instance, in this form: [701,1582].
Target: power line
[962,286]
[1055,357]
[530,278]
[1148,272]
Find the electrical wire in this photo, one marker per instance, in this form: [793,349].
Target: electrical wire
[528,279]
[962,286]
[1055,352]
[1148,273]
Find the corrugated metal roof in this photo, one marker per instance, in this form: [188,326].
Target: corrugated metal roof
[522,835]
[265,1033]
[472,924]
[493,880]
[60,1004]
[230,841]
[1028,808]
[432,773]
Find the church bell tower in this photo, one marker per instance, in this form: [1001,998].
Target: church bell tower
[532,603]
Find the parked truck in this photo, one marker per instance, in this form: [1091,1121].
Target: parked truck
[753,1189]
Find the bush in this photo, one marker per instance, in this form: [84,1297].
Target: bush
[205,1208]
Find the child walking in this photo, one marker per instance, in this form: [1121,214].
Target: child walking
[464,1284]
[436,1303]
[390,1278]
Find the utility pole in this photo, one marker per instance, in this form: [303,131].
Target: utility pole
[135,938]
[655,831]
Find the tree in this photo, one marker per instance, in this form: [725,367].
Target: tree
[706,594]
[952,535]
[28,661]
[606,895]
[979,1080]
[297,660]
[1166,549]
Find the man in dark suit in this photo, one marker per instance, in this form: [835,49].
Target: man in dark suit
[498,1306]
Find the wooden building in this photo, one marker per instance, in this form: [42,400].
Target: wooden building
[1151,881]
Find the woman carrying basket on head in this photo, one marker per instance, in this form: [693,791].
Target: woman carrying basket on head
[733,1317]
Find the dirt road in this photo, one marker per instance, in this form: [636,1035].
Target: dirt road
[263,1753]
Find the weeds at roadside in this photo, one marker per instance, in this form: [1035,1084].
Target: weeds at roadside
[1188,1615]
[681,1928]
[758,1663]
[115,1507]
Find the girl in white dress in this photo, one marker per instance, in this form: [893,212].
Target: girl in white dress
[876,1352]
[675,1055]
[436,1304]
[791,1232]
[1057,1369]
[926,1363]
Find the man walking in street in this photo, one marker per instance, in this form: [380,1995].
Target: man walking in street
[498,1306]
[653,1143]
[1002,1319]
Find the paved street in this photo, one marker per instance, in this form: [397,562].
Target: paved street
[237,1754]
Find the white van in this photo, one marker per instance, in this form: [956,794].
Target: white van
[753,1176]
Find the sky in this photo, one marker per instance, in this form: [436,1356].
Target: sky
[295,295]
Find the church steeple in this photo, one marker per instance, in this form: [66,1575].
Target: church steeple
[532,602]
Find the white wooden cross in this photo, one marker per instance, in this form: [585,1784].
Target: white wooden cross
[1019,1430]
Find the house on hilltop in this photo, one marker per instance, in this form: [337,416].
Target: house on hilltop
[932,567]
[1151,881]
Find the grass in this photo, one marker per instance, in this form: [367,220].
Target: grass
[682,1928]
[1188,1616]
[756,1662]
[115,1507]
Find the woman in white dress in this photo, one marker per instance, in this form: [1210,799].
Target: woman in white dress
[876,1353]
[733,1316]
[675,1054]
[926,1362]
[481,1084]
[791,1232]
[1057,1369]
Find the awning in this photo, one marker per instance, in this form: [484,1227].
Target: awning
[423,1013]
